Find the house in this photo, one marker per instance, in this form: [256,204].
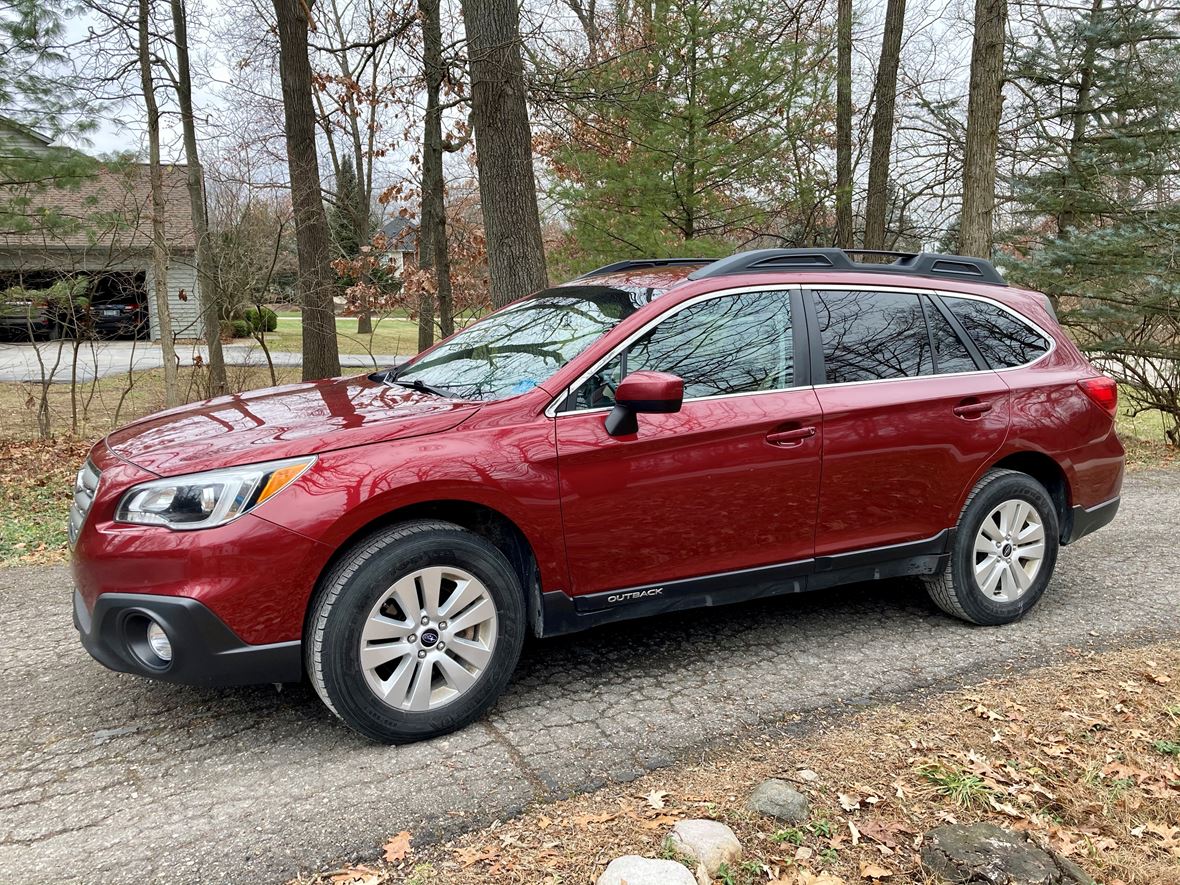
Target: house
[401,234]
[99,226]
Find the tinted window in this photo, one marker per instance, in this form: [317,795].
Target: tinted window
[950,353]
[871,335]
[1003,340]
[732,344]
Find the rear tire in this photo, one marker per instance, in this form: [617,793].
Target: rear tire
[415,632]
[1004,551]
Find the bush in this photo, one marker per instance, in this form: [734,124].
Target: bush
[258,319]
[241,329]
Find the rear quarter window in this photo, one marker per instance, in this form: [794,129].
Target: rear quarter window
[1004,340]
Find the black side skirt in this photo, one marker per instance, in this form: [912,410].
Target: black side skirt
[562,613]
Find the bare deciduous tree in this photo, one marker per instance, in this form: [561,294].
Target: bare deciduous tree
[159,241]
[321,357]
[983,127]
[884,98]
[503,140]
[207,286]
[844,124]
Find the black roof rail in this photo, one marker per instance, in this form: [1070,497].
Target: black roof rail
[642,262]
[921,264]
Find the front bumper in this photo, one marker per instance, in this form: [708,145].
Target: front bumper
[204,650]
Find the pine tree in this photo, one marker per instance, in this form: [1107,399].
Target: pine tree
[37,93]
[342,221]
[1099,201]
[698,129]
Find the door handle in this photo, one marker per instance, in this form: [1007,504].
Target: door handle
[792,437]
[972,409]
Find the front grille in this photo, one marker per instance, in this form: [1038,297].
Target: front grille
[85,486]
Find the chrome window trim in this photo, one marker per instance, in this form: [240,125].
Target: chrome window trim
[551,409]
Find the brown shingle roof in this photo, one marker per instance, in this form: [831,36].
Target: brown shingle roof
[110,210]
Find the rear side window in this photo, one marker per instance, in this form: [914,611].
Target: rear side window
[868,336]
[1003,340]
[950,353]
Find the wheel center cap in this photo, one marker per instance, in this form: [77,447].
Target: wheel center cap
[1006,551]
[429,638]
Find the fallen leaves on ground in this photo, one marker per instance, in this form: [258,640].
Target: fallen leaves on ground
[1070,755]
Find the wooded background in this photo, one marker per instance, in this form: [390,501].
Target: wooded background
[527,142]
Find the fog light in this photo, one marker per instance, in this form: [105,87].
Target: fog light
[158,641]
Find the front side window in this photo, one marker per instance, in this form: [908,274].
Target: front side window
[1003,340]
[737,343]
[869,336]
[515,349]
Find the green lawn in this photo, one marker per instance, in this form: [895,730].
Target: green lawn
[392,334]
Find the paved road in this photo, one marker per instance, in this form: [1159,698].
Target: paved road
[109,778]
[18,362]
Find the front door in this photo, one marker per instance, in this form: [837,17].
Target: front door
[730,482]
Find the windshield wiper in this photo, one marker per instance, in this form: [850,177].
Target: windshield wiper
[419,385]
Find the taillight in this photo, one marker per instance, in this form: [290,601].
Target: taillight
[1103,390]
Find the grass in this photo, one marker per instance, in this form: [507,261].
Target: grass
[1066,753]
[392,335]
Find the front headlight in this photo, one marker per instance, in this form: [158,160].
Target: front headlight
[204,500]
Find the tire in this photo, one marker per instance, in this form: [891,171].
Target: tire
[361,638]
[981,584]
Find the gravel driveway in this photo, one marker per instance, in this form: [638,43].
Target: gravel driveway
[109,778]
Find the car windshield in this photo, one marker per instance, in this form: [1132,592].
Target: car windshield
[520,347]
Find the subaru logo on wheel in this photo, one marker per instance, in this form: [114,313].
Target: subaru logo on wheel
[429,638]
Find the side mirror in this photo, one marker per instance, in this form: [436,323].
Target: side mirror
[649,392]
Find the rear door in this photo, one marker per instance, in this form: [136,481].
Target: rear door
[911,414]
[729,482]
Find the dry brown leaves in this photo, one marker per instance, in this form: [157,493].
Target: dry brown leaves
[1078,773]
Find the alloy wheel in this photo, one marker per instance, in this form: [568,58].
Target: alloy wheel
[428,639]
[1009,550]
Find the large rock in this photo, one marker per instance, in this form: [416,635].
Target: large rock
[984,854]
[780,800]
[708,842]
[635,870]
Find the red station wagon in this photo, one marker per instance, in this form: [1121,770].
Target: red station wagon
[652,436]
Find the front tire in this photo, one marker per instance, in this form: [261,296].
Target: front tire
[415,632]
[1004,551]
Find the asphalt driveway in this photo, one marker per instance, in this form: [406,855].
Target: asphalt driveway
[99,359]
[108,778]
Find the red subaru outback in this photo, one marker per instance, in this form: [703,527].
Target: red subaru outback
[653,436]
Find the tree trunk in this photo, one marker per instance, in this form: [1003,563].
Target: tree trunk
[206,277]
[507,188]
[159,242]
[884,98]
[321,357]
[432,243]
[844,124]
[983,127]
[1066,214]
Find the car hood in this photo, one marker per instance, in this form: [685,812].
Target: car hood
[282,422]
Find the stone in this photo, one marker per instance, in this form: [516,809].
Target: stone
[984,854]
[710,843]
[780,800]
[635,870]
[808,775]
